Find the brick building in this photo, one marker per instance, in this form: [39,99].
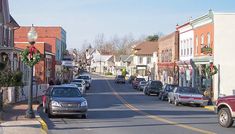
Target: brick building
[44,70]
[168,55]
[55,37]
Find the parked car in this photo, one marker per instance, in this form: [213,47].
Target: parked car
[131,78]
[87,79]
[65,100]
[225,108]
[136,81]
[120,79]
[141,85]
[153,87]
[80,86]
[186,95]
[163,95]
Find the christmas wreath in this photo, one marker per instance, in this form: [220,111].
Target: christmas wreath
[30,56]
[211,70]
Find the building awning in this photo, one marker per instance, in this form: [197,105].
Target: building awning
[203,59]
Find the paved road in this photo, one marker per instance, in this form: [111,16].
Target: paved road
[119,109]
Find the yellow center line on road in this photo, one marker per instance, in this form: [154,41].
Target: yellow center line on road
[155,117]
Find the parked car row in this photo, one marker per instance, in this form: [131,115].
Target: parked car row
[170,92]
[224,107]
[67,99]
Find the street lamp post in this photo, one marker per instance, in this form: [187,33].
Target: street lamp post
[32,37]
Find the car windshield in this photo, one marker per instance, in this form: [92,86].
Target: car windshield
[156,83]
[188,90]
[120,76]
[170,88]
[143,83]
[83,77]
[140,79]
[66,92]
[78,84]
[80,81]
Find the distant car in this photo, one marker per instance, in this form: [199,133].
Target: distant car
[186,95]
[87,79]
[80,86]
[120,79]
[131,78]
[136,81]
[225,108]
[79,81]
[153,87]
[65,100]
[141,85]
[163,95]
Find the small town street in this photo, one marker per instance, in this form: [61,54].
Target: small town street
[117,108]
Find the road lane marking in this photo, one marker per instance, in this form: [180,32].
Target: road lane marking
[155,117]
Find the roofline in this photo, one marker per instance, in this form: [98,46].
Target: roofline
[183,25]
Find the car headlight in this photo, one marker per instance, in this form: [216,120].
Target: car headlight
[55,103]
[84,103]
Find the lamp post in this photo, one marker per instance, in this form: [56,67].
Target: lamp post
[32,37]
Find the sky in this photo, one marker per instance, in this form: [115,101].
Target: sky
[83,20]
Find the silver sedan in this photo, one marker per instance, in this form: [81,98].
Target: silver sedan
[65,100]
[186,95]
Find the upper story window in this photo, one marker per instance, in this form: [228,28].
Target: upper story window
[196,44]
[202,40]
[170,55]
[163,56]
[148,60]
[185,48]
[181,48]
[208,39]
[140,60]
[191,46]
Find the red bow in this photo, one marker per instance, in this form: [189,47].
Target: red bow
[32,51]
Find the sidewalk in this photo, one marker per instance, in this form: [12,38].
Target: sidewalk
[14,121]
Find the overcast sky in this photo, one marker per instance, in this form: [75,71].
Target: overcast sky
[83,20]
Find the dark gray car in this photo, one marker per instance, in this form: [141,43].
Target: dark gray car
[65,100]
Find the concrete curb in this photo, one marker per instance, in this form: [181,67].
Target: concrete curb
[44,127]
[210,108]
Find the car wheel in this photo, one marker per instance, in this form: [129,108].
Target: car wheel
[84,116]
[225,118]
[176,103]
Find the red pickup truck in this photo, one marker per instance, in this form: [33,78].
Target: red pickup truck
[225,108]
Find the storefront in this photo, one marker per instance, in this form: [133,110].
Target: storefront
[168,73]
[185,74]
[203,80]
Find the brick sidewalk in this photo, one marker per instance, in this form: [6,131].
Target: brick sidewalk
[14,121]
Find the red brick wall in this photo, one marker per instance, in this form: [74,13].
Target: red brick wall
[40,68]
[45,34]
[205,29]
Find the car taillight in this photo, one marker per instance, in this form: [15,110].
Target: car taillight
[183,97]
[196,98]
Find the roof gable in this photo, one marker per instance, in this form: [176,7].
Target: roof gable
[146,48]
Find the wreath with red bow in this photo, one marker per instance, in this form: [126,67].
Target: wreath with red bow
[30,56]
[211,70]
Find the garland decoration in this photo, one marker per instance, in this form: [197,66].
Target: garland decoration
[211,70]
[30,56]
